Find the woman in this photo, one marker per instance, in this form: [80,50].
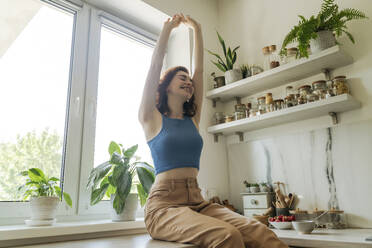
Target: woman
[170,115]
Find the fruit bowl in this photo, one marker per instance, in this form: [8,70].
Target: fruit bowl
[281,225]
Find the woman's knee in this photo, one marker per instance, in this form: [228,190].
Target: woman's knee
[229,236]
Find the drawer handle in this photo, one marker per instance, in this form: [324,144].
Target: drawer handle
[254,202]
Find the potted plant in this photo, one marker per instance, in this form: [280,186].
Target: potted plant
[246,71]
[45,195]
[255,188]
[319,31]
[227,66]
[114,178]
[247,186]
[264,187]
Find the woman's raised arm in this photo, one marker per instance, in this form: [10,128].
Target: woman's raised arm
[148,102]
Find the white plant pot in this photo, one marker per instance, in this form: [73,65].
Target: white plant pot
[255,189]
[247,189]
[264,189]
[44,207]
[324,40]
[233,76]
[130,209]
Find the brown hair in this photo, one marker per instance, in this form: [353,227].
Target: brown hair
[189,108]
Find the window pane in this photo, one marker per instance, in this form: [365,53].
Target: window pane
[34,77]
[122,72]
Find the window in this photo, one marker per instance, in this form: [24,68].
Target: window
[34,83]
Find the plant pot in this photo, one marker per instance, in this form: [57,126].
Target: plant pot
[44,207]
[129,211]
[264,189]
[233,76]
[255,189]
[324,40]
[282,211]
[247,189]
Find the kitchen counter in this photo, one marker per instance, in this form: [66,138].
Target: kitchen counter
[329,238]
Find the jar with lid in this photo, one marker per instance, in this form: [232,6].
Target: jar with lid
[304,91]
[266,62]
[340,85]
[291,54]
[289,90]
[240,111]
[278,104]
[320,88]
[274,57]
[261,105]
[248,109]
[219,117]
[289,101]
[269,103]
[229,118]
[253,111]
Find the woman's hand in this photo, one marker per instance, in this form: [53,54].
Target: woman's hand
[188,21]
[173,23]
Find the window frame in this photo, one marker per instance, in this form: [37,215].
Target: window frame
[79,137]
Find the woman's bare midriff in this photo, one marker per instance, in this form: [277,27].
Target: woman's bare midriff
[178,173]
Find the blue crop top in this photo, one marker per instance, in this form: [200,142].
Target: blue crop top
[177,145]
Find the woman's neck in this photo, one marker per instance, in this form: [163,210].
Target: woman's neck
[175,107]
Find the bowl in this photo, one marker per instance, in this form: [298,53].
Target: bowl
[281,225]
[304,226]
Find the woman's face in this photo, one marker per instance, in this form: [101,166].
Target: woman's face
[181,85]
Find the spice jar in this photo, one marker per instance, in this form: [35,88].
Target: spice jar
[304,91]
[248,109]
[278,104]
[289,101]
[289,90]
[269,102]
[219,117]
[274,57]
[261,105]
[229,118]
[240,111]
[340,85]
[266,62]
[320,89]
[291,54]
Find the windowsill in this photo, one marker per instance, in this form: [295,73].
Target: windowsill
[14,234]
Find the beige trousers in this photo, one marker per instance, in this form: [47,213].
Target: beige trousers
[176,211]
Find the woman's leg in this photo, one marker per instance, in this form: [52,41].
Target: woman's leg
[255,234]
[184,225]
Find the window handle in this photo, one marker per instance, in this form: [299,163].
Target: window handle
[77,106]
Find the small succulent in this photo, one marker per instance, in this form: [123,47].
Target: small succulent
[246,70]
[246,183]
[255,185]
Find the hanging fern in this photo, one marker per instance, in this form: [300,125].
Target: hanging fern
[329,18]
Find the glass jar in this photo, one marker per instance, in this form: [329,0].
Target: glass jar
[269,103]
[266,62]
[261,105]
[274,57]
[219,117]
[289,101]
[278,104]
[239,115]
[312,97]
[304,91]
[289,90]
[320,88]
[340,85]
[291,54]
[248,109]
[229,118]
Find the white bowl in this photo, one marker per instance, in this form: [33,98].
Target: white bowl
[304,226]
[282,225]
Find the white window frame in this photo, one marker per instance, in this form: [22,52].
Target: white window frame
[100,19]
[15,212]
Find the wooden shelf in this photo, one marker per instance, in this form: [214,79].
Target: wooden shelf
[330,58]
[334,104]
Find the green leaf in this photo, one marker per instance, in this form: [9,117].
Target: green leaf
[117,159]
[97,174]
[98,194]
[117,174]
[124,183]
[36,175]
[142,195]
[58,191]
[146,175]
[222,68]
[118,204]
[67,199]
[214,54]
[222,43]
[110,191]
[131,151]
[23,173]
[114,147]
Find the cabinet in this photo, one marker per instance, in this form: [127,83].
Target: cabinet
[256,203]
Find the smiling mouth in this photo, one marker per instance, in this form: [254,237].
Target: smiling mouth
[187,89]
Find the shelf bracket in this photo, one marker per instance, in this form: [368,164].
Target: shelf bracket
[327,74]
[334,117]
[241,136]
[215,135]
[238,100]
[215,101]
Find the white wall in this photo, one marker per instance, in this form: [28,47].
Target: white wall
[295,153]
